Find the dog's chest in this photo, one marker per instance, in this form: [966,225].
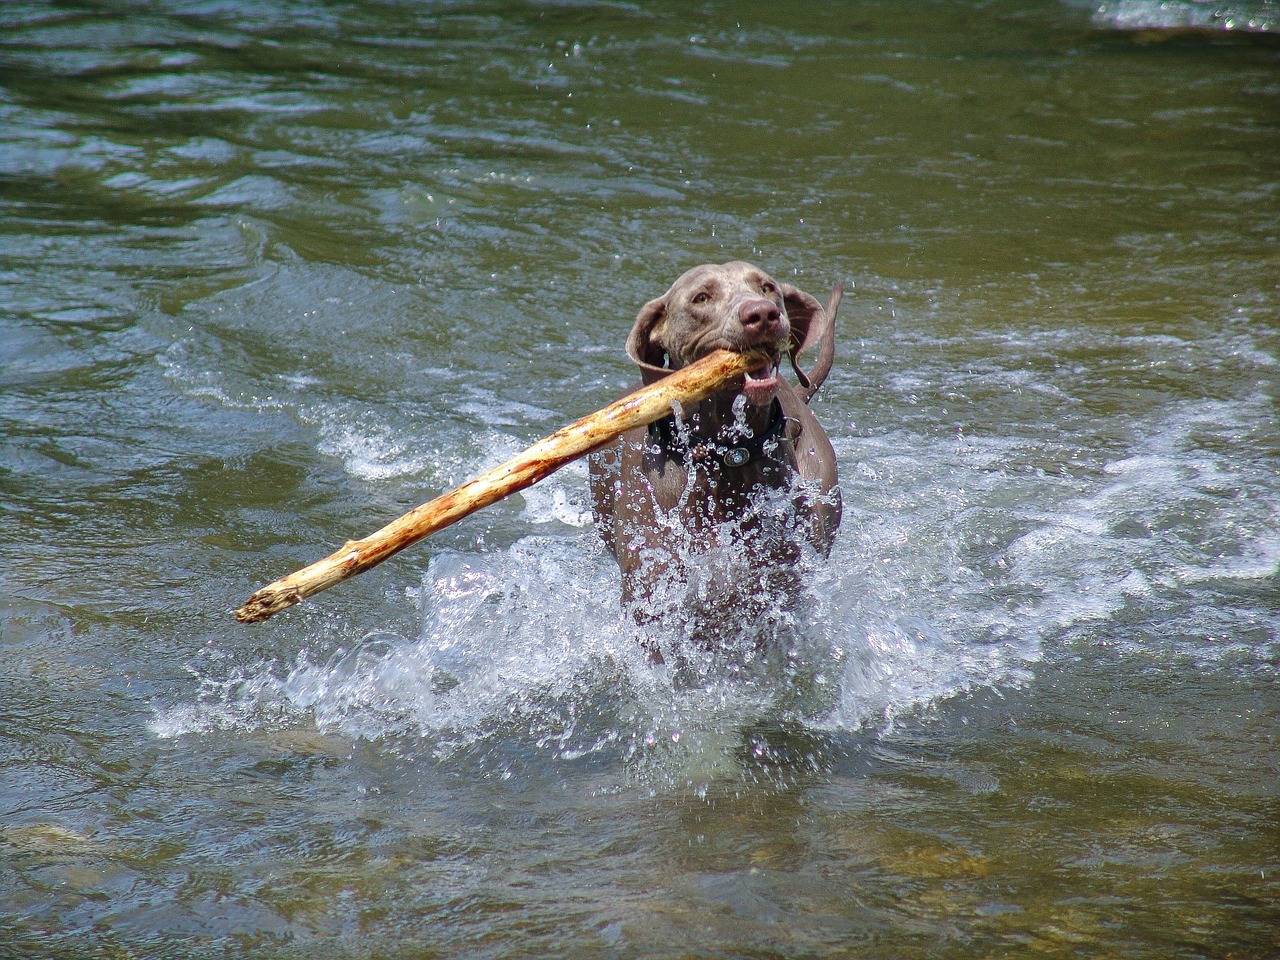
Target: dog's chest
[711,501]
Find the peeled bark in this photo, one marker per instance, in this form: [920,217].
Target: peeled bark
[687,386]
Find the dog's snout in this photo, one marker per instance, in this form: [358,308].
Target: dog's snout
[759,314]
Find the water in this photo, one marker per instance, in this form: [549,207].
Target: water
[273,273]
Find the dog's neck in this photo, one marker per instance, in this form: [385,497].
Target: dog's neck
[712,432]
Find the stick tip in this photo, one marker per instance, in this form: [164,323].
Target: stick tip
[247,614]
[266,603]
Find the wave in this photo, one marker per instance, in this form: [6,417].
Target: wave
[1187,15]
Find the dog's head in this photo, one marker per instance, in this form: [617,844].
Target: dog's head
[733,306]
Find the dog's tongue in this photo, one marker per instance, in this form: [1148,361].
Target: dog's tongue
[759,386]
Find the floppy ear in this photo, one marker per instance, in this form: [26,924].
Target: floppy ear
[643,346]
[812,326]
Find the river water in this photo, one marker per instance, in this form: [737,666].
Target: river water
[272,273]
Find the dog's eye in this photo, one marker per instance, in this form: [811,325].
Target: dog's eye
[702,297]
[768,287]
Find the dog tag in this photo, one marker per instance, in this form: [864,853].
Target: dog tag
[736,456]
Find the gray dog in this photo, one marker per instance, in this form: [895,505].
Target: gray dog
[748,472]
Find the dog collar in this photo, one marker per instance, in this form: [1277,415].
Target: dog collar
[664,433]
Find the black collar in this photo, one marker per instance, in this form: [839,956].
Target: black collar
[681,447]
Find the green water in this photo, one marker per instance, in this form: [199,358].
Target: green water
[273,273]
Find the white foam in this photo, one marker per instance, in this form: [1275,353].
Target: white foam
[1185,15]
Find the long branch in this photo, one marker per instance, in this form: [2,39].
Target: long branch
[686,386]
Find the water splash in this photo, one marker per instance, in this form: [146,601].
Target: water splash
[530,644]
[961,560]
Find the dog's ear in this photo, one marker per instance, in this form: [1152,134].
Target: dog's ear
[643,344]
[812,325]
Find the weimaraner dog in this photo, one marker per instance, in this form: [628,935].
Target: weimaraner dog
[748,471]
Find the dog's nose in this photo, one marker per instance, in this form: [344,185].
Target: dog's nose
[759,314]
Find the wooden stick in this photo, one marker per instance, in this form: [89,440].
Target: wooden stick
[687,386]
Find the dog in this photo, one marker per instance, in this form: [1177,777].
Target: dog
[748,474]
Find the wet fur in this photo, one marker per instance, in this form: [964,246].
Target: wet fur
[663,513]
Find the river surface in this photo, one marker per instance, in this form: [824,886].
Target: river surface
[272,273]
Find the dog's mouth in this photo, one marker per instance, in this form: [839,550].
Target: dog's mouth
[760,384]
